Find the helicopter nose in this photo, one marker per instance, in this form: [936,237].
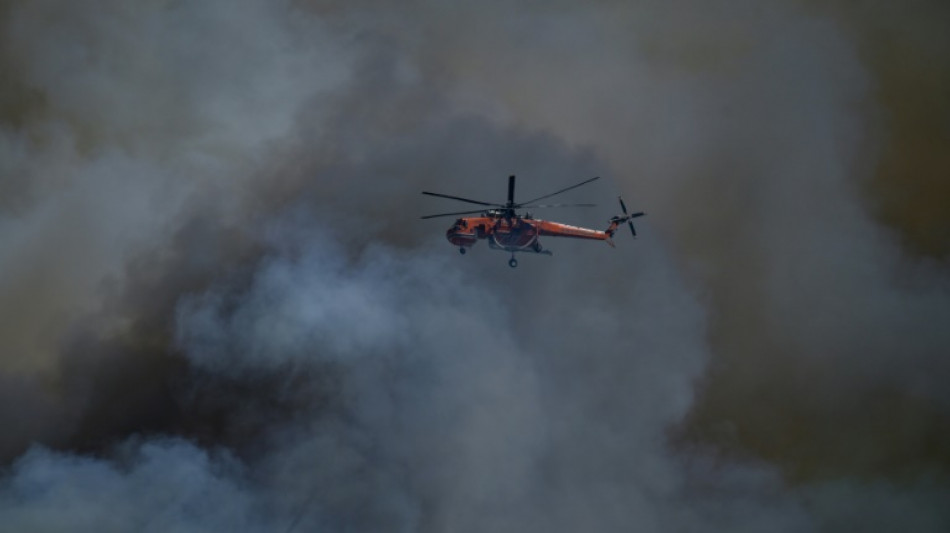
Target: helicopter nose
[460,237]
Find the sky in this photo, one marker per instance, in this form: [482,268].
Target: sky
[220,310]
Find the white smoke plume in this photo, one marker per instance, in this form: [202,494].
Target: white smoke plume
[219,310]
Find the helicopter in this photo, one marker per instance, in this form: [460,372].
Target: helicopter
[508,231]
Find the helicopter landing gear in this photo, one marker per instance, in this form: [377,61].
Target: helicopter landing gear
[462,250]
[513,262]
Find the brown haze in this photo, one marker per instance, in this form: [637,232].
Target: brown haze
[219,310]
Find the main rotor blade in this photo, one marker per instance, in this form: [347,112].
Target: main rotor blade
[556,205]
[559,192]
[459,198]
[452,214]
[622,205]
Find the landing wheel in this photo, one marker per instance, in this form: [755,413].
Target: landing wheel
[462,250]
[512,262]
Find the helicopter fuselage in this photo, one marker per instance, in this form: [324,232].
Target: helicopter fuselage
[515,234]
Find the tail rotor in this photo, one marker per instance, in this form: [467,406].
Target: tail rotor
[616,221]
[627,217]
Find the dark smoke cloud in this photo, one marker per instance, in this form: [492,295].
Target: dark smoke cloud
[220,311]
[905,47]
[757,135]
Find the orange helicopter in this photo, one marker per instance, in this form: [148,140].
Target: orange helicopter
[506,230]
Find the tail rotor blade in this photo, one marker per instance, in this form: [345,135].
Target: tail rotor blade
[630,221]
[629,217]
[511,190]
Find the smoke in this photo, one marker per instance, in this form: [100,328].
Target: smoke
[220,310]
[157,486]
[145,115]
[758,137]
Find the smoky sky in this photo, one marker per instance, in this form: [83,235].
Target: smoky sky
[219,309]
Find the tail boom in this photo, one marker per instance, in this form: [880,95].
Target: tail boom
[556,229]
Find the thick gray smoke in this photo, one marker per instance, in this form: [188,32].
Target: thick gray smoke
[219,310]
